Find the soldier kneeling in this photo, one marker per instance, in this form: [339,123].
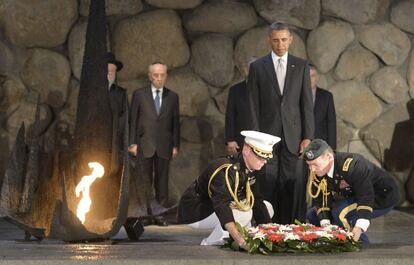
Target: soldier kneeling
[225,192]
[347,189]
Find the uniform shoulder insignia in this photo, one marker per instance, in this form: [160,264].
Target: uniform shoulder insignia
[347,162]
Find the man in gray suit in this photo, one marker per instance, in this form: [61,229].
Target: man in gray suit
[155,131]
[279,84]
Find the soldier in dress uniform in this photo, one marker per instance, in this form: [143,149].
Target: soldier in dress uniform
[348,190]
[225,192]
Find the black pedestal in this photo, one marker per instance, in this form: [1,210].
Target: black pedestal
[134,228]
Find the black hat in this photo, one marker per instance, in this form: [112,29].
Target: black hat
[315,149]
[110,58]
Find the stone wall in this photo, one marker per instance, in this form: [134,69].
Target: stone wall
[363,49]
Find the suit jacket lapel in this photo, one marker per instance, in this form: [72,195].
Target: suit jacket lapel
[150,100]
[164,101]
[113,97]
[289,73]
[270,67]
[317,102]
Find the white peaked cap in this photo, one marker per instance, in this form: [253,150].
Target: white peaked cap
[262,143]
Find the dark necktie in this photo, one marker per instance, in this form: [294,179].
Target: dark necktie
[157,101]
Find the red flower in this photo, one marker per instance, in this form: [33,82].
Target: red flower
[309,237]
[340,236]
[298,228]
[275,237]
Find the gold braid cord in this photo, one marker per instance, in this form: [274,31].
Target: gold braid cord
[244,205]
[321,186]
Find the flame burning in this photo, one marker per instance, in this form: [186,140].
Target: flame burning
[84,187]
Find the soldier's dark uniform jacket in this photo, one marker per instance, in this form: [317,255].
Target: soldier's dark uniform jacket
[356,177]
[196,203]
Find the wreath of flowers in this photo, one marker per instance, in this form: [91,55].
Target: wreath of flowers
[295,238]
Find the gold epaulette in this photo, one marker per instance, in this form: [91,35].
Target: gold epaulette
[345,167]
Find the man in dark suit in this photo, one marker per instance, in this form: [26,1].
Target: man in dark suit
[155,131]
[323,110]
[237,113]
[279,84]
[119,105]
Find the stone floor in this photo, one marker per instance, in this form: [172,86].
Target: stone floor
[392,242]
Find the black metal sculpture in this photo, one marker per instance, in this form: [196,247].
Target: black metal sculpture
[38,191]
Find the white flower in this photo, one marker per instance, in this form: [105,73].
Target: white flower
[259,235]
[284,228]
[268,226]
[291,236]
[349,234]
[330,228]
[325,234]
[253,230]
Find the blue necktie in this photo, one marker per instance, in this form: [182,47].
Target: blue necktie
[157,101]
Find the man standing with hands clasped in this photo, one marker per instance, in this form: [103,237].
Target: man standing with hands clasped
[238,113]
[155,133]
[279,85]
